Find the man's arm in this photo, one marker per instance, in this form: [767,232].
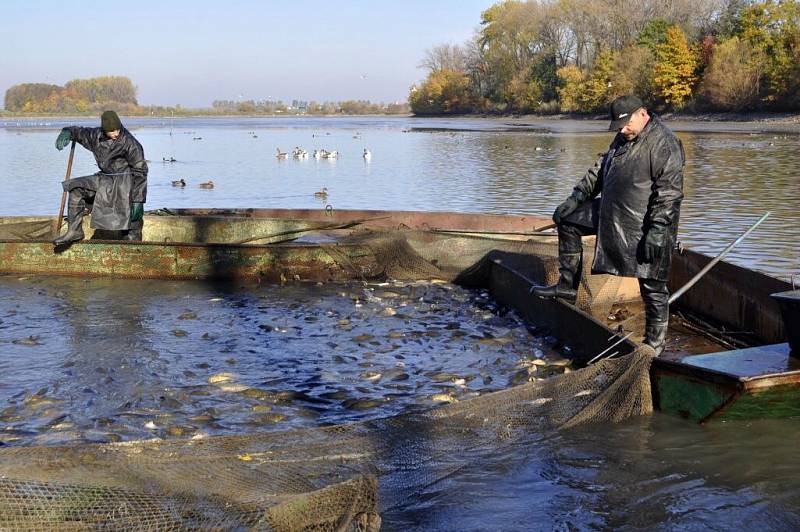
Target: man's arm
[586,188]
[138,165]
[85,136]
[667,160]
[666,163]
[591,184]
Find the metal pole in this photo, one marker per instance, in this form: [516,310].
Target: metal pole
[692,281]
[716,259]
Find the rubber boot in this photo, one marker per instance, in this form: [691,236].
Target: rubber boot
[568,280]
[655,335]
[656,312]
[134,234]
[74,232]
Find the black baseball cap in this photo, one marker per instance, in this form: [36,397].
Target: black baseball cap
[622,109]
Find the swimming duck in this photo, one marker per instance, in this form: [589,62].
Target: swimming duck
[170,160]
[367,155]
[207,184]
[299,153]
[330,154]
[179,183]
[280,154]
[322,194]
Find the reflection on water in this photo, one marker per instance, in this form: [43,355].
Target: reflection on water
[654,473]
[732,177]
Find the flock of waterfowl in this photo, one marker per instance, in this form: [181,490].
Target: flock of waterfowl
[180,183]
[300,153]
[297,153]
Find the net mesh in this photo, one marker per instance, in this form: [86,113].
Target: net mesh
[329,478]
[411,255]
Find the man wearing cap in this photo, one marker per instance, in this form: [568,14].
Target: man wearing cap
[639,181]
[117,192]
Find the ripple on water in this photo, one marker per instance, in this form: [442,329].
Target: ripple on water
[131,359]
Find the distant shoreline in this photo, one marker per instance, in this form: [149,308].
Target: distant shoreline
[757,117]
[703,122]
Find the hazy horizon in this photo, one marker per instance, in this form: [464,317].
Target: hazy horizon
[192,53]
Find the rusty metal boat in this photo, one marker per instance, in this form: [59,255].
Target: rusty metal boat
[727,356]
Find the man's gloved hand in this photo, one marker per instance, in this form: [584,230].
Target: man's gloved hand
[655,242]
[63,139]
[137,211]
[568,207]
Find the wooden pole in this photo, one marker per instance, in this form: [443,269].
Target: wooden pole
[64,193]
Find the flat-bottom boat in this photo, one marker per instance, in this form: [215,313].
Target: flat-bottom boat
[727,356]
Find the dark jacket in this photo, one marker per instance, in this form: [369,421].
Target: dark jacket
[122,178]
[640,183]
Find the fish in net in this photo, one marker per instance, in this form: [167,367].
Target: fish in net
[329,478]
[340,477]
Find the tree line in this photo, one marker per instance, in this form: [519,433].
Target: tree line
[551,56]
[90,96]
[77,96]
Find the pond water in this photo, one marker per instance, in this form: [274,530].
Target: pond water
[735,172]
[111,360]
[108,360]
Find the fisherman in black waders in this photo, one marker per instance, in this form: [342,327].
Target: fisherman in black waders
[631,200]
[117,192]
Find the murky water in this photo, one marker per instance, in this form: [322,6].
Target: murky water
[654,473]
[103,360]
[735,172]
[106,360]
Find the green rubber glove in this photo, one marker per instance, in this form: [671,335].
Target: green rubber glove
[63,139]
[137,211]
[568,206]
[655,242]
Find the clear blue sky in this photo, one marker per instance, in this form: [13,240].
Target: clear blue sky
[193,52]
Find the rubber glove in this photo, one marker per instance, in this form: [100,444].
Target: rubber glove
[655,242]
[568,206]
[137,211]
[63,139]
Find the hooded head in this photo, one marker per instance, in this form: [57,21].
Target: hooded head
[109,121]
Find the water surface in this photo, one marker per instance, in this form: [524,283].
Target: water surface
[735,172]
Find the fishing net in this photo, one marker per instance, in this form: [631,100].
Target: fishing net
[339,477]
[330,478]
[26,229]
[467,259]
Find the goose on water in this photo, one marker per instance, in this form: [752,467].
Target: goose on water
[281,154]
[367,155]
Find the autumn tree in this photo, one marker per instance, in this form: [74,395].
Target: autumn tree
[596,89]
[571,80]
[444,91]
[733,77]
[20,95]
[445,57]
[674,74]
[633,72]
[771,27]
